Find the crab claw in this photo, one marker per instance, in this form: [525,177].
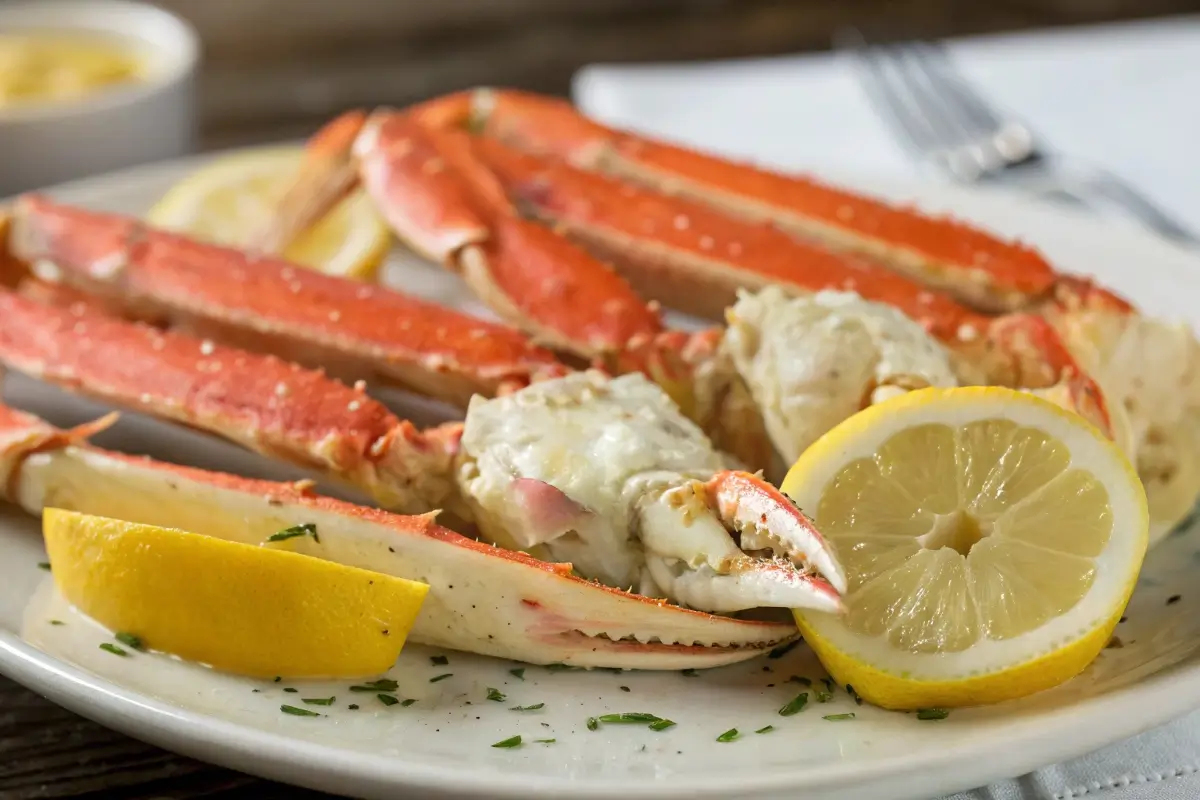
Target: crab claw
[692,557]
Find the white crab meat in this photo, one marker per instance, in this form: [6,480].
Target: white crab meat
[811,362]
[609,475]
[1151,371]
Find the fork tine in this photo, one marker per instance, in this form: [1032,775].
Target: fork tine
[881,88]
[943,76]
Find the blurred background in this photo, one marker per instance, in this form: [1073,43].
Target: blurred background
[277,68]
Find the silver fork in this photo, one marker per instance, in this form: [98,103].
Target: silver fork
[946,122]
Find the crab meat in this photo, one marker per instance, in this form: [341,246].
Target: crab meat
[482,599]
[811,362]
[609,475]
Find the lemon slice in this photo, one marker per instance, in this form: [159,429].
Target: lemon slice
[230,199]
[257,611]
[991,541]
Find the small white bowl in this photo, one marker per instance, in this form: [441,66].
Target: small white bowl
[150,120]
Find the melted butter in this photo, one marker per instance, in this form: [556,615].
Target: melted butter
[47,67]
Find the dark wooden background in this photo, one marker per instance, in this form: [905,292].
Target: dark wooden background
[278,68]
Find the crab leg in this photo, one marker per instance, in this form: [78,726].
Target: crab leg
[513,606]
[942,253]
[260,402]
[354,331]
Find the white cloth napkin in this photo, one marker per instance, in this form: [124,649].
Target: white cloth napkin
[1120,96]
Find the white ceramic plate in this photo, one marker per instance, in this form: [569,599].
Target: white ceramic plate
[441,744]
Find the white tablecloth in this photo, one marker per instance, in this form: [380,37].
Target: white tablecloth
[1124,96]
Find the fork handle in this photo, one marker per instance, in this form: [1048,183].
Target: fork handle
[1138,205]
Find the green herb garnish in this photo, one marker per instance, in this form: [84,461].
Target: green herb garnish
[629,716]
[129,639]
[795,705]
[112,648]
[278,679]
[57,622]
[800,679]
[783,650]
[765,729]
[545,741]
[533,707]
[518,673]
[837,717]
[728,736]
[661,724]
[592,723]
[298,712]
[407,703]
[690,672]
[353,706]
[512,741]
[44,565]
[441,677]
[290,690]
[824,697]
[850,691]
[381,685]
[933,713]
[561,668]
[318,701]
[387,699]
[828,684]
[495,694]
[625,689]
[439,661]
[305,529]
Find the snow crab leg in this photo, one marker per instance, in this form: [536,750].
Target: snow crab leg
[512,606]
[282,410]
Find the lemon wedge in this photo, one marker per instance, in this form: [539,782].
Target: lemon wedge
[991,541]
[230,199]
[257,611]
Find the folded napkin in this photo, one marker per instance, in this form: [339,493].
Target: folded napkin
[1120,96]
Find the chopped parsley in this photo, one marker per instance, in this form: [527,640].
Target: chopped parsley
[109,647]
[933,713]
[298,712]
[439,661]
[661,724]
[44,565]
[381,685]
[129,639]
[838,717]
[495,694]
[318,701]
[592,723]
[407,703]
[765,729]
[533,707]
[387,699]
[512,741]
[824,697]
[441,677]
[518,673]
[795,705]
[729,735]
[304,529]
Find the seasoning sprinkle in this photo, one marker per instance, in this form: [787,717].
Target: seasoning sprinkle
[439,661]
[318,701]
[353,706]
[824,697]
[112,648]
[518,673]
[838,717]
[850,691]
[795,705]
[278,679]
[129,639]
[624,688]
[57,622]
[494,694]
[783,650]
[407,703]
[933,713]
[828,684]
[304,529]
[381,685]
[690,672]
[44,565]
[1173,599]
[533,707]
[545,741]
[298,712]
[290,690]
[592,723]
[728,736]
[661,724]
[800,679]
[387,699]
[561,668]
[765,729]
[512,741]
[629,716]
[441,677]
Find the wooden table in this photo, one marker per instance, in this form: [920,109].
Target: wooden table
[46,751]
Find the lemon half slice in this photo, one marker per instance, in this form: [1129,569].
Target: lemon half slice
[991,541]
[257,611]
[230,199]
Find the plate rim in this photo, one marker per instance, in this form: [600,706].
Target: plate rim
[1031,740]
